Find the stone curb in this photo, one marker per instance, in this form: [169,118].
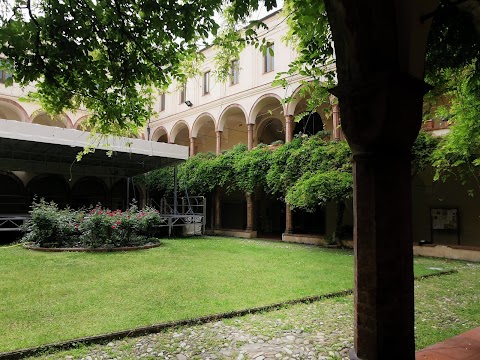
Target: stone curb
[145,330]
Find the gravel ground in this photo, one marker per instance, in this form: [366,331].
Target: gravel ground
[295,332]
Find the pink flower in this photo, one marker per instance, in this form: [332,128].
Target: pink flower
[114,227]
[76,226]
[118,222]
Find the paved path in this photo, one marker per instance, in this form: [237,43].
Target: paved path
[296,332]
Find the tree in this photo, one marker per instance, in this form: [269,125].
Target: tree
[109,55]
[455,96]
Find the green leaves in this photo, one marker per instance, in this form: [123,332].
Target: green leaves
[107,55]
[458,152]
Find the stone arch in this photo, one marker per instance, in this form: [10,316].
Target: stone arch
[79,124]
[233,125]
[11,110]
[291,106]
[266,100]
[51,187]
[268,116]
[230,108]
[89,191]
[180,128]
[312,122]
[12,194]
[269,130]
[203,131]
[160,135]
[41,117]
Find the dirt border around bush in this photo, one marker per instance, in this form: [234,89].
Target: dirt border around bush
[112,249]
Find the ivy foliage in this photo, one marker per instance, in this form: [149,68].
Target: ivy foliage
[280,171]
[458,152]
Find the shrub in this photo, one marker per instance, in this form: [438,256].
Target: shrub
[97,227]
[50,226]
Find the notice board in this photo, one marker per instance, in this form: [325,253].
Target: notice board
[444,219]
[444,224]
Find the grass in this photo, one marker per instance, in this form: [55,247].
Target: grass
[49,297]
[446,306]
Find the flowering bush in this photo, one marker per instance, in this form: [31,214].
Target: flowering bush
[98,227]
[50,226]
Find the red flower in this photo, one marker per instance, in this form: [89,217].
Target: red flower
[113,227]
[118,222]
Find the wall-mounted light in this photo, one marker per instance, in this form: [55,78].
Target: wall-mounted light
[188,103]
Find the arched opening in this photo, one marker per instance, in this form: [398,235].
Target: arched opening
[49,187]
[269,215]
[10,112]
[311,122]
[270,130]
[160,135]
[204,133]
[120,200]
[47,120]
[12,195]
[88,191]
[180,134]
[82,124]
[234,210]
[269,120]
[233,124]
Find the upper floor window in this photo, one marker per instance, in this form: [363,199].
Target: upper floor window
[4,76]
[206,82]
[162,102]
[183,93]
[269,59]
[234,72]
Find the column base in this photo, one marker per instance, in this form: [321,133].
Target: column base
[352,355]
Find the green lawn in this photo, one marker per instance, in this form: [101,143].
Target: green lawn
[49,297]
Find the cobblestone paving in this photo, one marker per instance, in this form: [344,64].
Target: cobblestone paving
[320,331]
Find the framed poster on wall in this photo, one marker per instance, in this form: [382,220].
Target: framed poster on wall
[444,219]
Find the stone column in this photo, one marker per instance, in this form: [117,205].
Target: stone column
[384,309]
[192,146]
[218,209]
[289,125]
[336,121]
[250,136]
[219,141]
[288,138]
[288,220]
[250,211]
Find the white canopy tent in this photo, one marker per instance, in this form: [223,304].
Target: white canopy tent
[46,149]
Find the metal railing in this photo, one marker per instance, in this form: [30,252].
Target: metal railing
[188,212]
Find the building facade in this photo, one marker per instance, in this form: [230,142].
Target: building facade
[211,116]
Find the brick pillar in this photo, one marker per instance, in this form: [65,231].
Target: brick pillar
[192,146]
[218,209]
[289,128]
[384,308]
[250,211]
[219,142]
[250,136]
